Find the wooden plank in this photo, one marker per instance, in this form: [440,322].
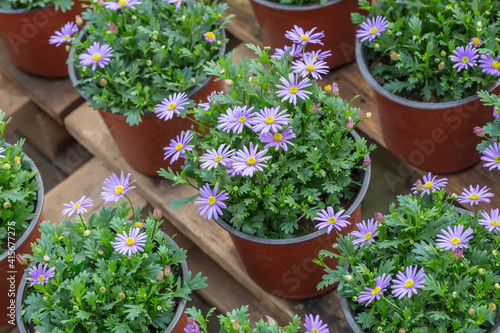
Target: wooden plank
[56,97]
[243,25]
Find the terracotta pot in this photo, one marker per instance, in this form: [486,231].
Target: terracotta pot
[11,271]
[435,137]
[334,19]
[179,321]
[284,267]
[26,34]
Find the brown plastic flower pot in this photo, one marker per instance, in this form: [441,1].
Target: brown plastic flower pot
[285,267]
[26,34]
[436,137]
[11,271]
[179,321]
[334,19]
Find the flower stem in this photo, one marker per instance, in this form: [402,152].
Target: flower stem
[394,305]
[131,206]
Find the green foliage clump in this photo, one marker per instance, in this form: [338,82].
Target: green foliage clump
[62,5]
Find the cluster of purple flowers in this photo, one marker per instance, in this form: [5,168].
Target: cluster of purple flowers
[465,57]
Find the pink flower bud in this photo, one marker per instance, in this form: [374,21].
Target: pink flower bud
[314,108]
[6,204]
[478,131]
[350,124]
[103,82]
[366,162]
[121,295]
[167,270]
[157,213]
[100,2]
[21,259]
[235,324]
[191,321]
[159,277]
[78,20]
[441,65]
[394,55]
[379,217]
[112,28]
[335,88]
[362,115]
[418,186]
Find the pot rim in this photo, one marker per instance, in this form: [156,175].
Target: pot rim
[38,212]
[305,238]
[20,11]
[361,52]
[192,92]
[23,287]
[294,8]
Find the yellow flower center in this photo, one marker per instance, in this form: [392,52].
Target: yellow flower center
[310,68]
[17,160]
[66,37]
[172,106]
[270,120]
[242,119]
[368,235]
[373,30]
[251,161]
[218,158]
[465,60]
[139,225]
[41,278]
[304,38]
[409,283]
[212,200]
[119,189]
[497,159]
[76,206]
[494,223]
[474,196]
[179,146]
[476,41]
[210,35]
[428,185]
[332,220]
[130,241]
[122,2]
[376,290]
[293,90]
[495,65]
[277,137]
[328,88]
[96,57]
[314,331]
[455,241]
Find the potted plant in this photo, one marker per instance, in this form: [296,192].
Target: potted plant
[425,61]
[237,321]
[132,55]
[106,273]
[274,151]
[276,19]
[427,266]
[25,29]
[21,203]
[490,132]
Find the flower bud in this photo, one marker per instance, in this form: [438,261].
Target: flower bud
[482,271]
[350,124]
[78,20]
[418,186]
[100,2]
[158,308]
[167,270]
[328,88]
[100,252]
[335,246]
[389,32]
[376,46]
[454,294]
[228,82]
[112,28]
[17,160]
[349,277]
[401,330]
[478,131]
[235,188]
[145,256]
[271,321]
[380,329]
[362,115]
[159,277]
[21,259]
[394,55]
[379,217]
[157,213]
[314,108]
[414,37]
[46,258]
[103,82]
[492,307]
[354,299]
[133,17]
[366,162]
[191,321]
[6,204]
[441,65]
[479,24]
[75,307]
[6,166]
[149,63]
[442,53]
[494,253]
[497,285]
[235,324]
[449,6]
[139,225]
[472,311]
[335,89]
[102,290]
[121,295]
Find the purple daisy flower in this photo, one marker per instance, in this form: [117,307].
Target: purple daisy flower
[211,201]
[409,283]
[115,189]
[298,36]
[474,195]
[65,35]
[40,275]
[278,140]
[235,120]
[209,37]
[177,3]
[366,232]
[489,64]
[269,119]
[496,112]
[454,239]
[131,243]
[192,326]
[372,28]
[230,170]
[491,222]
[330,219]
[311,66]
[371,294]
[96,55]
[475,41]
[315,325]
[293,88]
[491,155]
[173,104]
[318,55]
[464,57]
[179,146]
[77,207]
[121,3]
[212,158]
[291,51]
[210,100]
[430,183]
[247,161]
